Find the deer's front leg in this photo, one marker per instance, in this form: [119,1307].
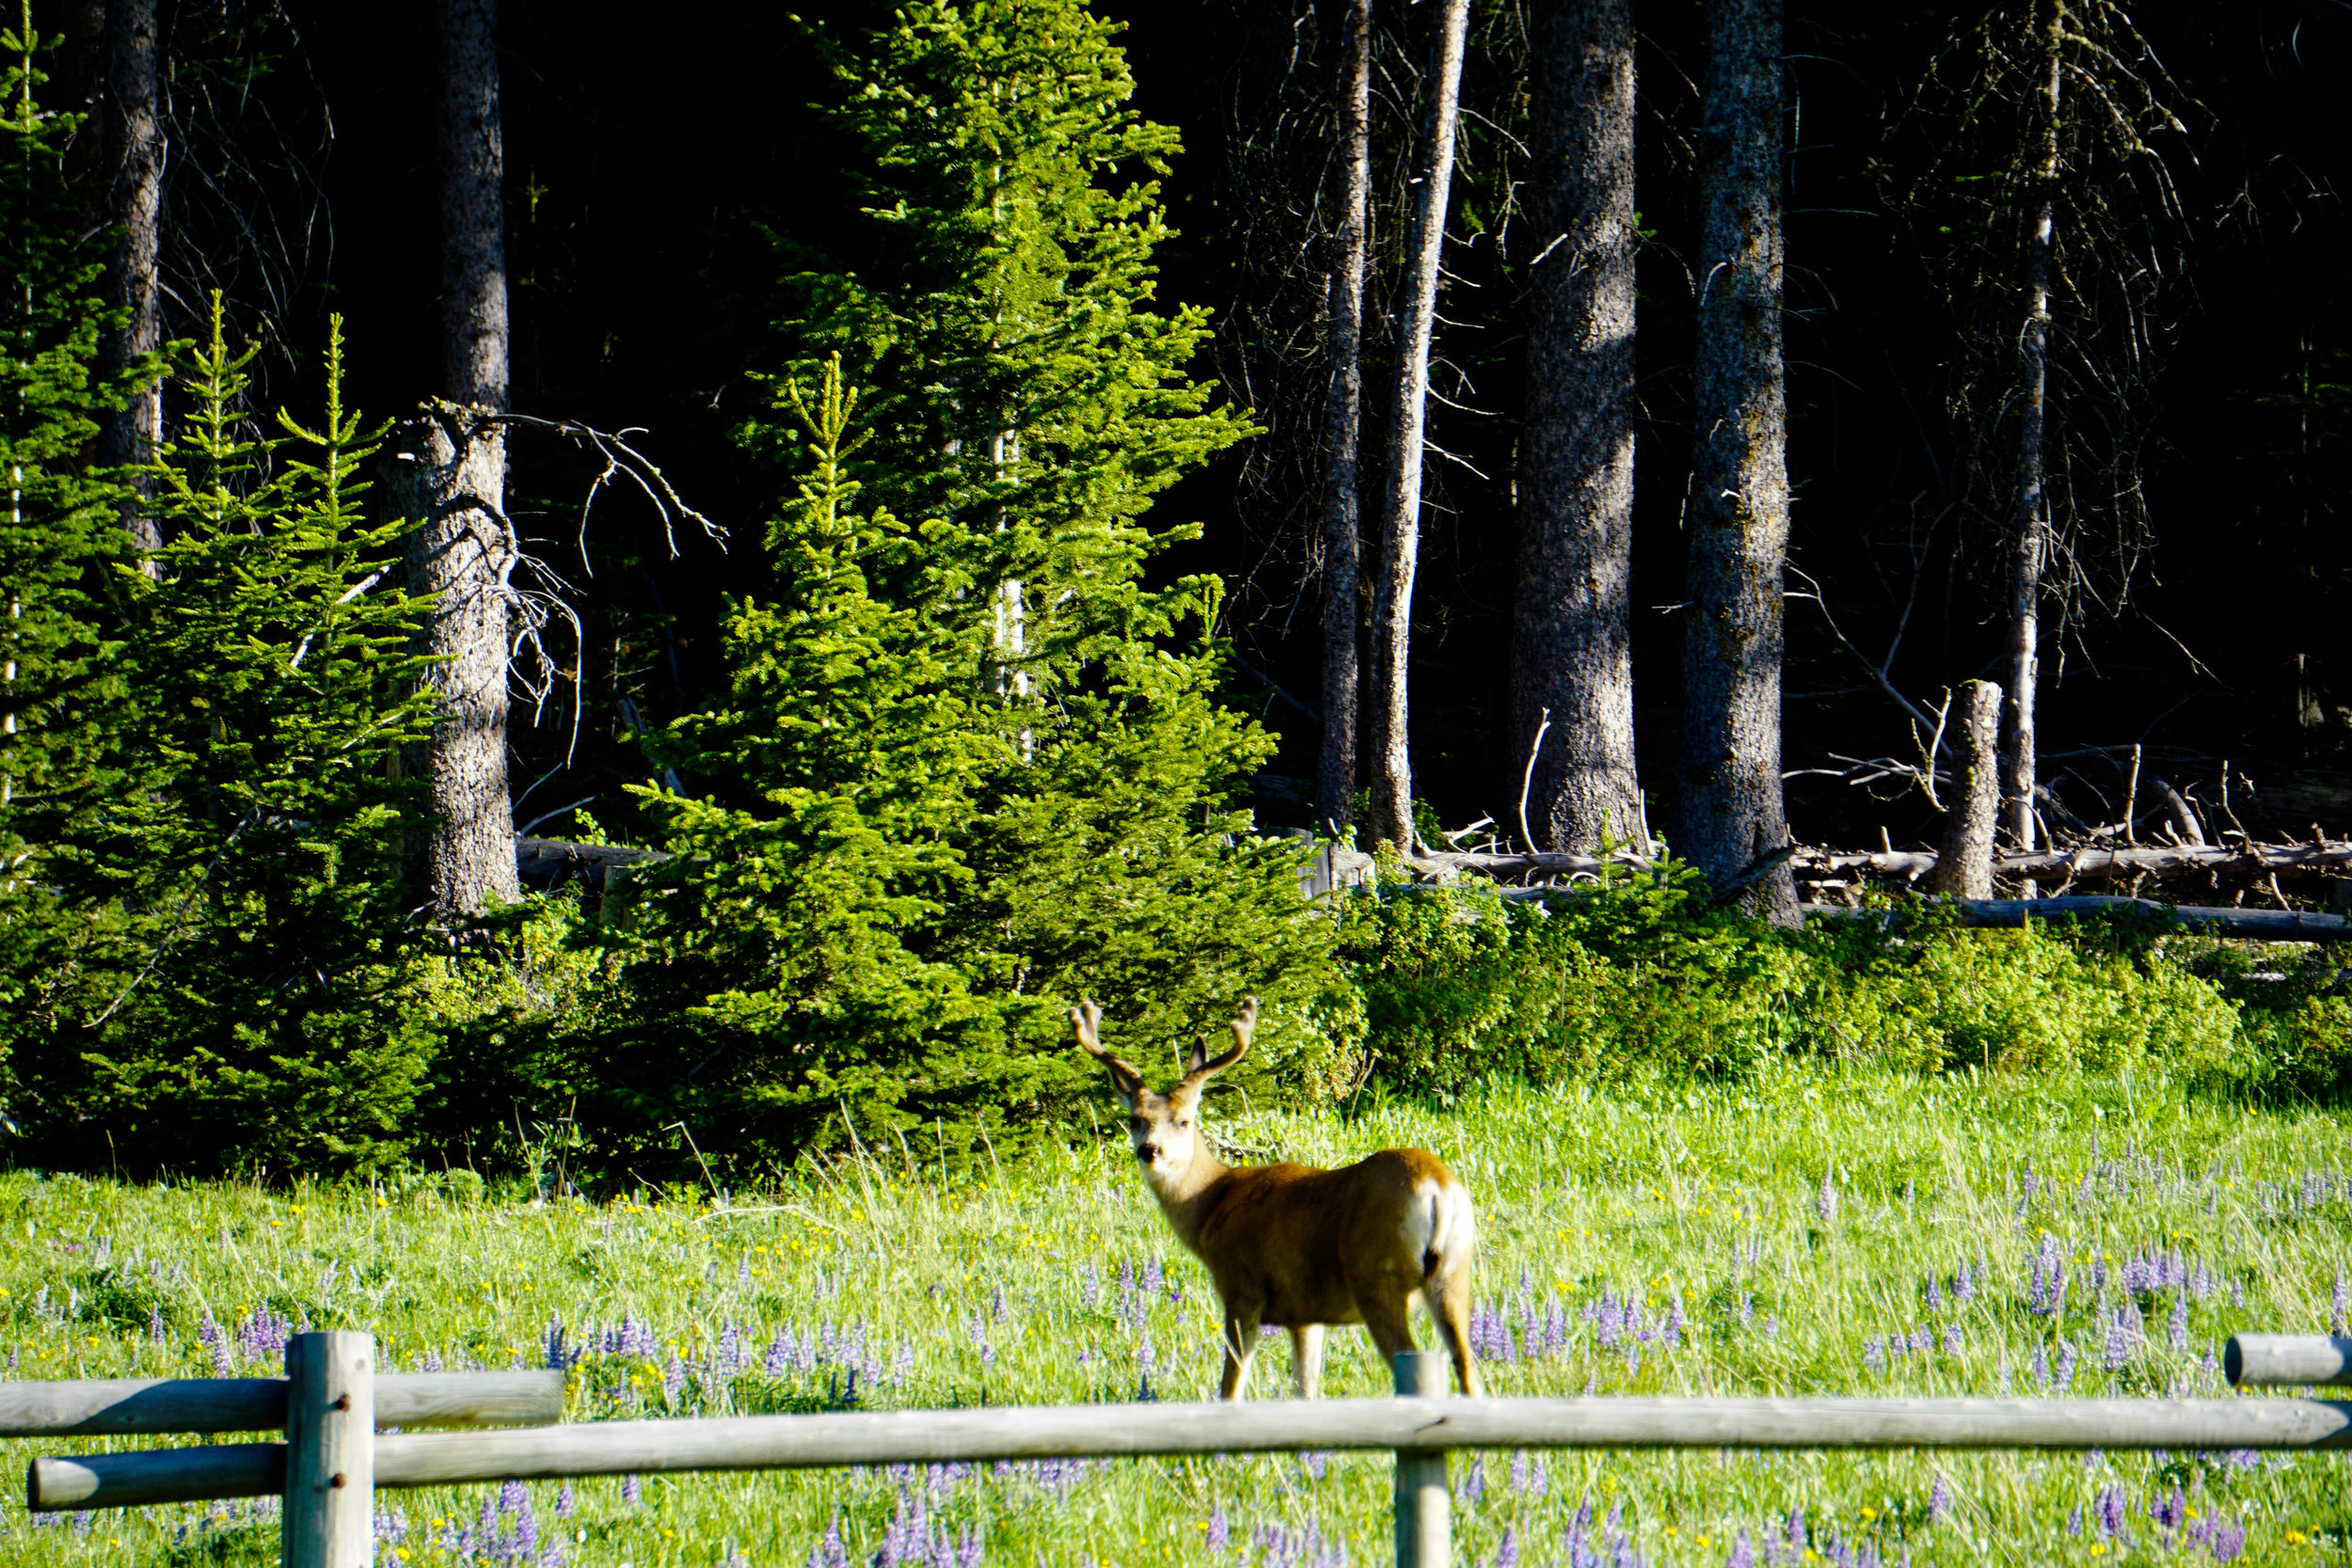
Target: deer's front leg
[1241,1343]
[1306,1359]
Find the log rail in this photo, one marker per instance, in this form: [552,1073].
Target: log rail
[331,1463]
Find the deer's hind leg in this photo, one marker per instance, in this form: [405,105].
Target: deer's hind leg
[1449,1302]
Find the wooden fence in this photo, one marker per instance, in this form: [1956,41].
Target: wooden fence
[333,1461]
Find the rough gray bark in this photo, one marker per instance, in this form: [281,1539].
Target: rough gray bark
[445,468]
[1343,425]
[448,474]
[135,147]
[1400,510]
[1965,865]
[1731,813]
[1572,647]
[474,209]
[2029,531]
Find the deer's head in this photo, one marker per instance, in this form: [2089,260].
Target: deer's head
[1165,1129]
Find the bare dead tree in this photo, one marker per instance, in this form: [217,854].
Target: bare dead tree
[1732,818]
[1400,518]
[2047,201]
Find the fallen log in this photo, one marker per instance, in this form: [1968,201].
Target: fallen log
[547,862]
[2251,862]
[2239,924]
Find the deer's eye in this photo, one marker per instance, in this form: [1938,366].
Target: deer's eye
[1181,1123]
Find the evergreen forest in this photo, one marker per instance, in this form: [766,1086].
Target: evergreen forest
[612,598]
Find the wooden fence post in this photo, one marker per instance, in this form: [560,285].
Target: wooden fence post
[1425,1497]
[330,1520]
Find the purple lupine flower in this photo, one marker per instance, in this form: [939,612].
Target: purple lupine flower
[208,1333]
[2111,1502]
[1507,1553]
[2121,1338]
[1742,1552]
[1609,1324]
[2064,1373]
[1474,1480]
[1796,1535]
[1520,1473]
[1934,1295]
[1676,1321]
[781,1351]
[2179,1323]
[1090,1285]
[1221,1532]
[526,1533]
[1556,1328]
[1826,1203]
[632,1489]
[2074,1521]
[156,1330]
[1874,1353]
[1153,1277]
[2343,1305]
[566,1501]
[1964,1282]
[2225,1541]
[2169,1512]
[1939,1499]
[673,1377]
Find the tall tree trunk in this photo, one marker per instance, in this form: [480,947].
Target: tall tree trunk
[2029,531]
[134,144]
[1572,648]
[1964,868]
[1731,814]
[448,470]
[1400,511]
[445,466]
[1342,429]
[473,211]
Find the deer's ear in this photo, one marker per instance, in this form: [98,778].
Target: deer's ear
[1198,1056]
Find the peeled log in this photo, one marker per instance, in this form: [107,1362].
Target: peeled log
[2240,924]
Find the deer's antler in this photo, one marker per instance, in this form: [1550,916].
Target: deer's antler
[1201,1069]
[1085,1020]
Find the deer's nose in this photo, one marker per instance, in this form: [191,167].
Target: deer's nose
[1148,1152]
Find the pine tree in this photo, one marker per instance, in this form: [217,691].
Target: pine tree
[979,766]
[251,992]
[61,682]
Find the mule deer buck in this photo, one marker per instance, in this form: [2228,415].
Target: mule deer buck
[1296,1247]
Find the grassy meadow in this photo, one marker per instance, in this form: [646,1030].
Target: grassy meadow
[1812,1232]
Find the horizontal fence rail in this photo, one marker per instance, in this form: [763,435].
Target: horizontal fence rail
[935,1436]
[332,1462]
[2287,1360]
[117,1407]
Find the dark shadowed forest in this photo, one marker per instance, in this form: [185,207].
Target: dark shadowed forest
[706,580]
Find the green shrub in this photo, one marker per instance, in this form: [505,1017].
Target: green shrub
[1641,974]
[1462,985]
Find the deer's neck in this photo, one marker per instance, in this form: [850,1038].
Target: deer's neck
[1187,1199]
